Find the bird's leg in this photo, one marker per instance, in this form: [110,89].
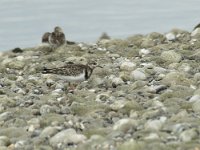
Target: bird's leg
[71,88]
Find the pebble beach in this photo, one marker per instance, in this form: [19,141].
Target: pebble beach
[145,96]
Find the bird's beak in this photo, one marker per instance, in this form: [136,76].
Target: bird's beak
[93,67]
[98,66]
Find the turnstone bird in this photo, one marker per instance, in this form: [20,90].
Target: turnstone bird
[57,37]
[196,30]
[71,72]
[104,36]
[45,37]
[197,26]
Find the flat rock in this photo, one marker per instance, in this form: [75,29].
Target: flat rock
[68,136]
[171,56]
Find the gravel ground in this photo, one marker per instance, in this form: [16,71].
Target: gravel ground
[146,96]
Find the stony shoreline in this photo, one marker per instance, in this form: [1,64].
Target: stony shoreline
[146,96]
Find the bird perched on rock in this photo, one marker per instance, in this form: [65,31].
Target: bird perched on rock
[196,30]
[45,37]
[56,38]
[104,36]
[71,72]
[197,26]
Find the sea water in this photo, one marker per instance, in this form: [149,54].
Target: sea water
[23,22]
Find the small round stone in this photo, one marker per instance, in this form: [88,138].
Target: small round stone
[68,136]
[4,141]
[171,56]
[45,109]
[170,36]
[125,124]
[189,135]
[138,75]
[127,66]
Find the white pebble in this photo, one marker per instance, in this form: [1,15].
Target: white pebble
[170,36]
[117,81]
[155,124]
[67,136]
[152,136]
[101,49]
[138,75]
[194,98]
[144,52]
[127,66]
[20,58]
[20,78]
[31,128]
[125,124]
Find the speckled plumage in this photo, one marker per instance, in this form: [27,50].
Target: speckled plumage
[45,37]
[57,37]
[75,72]
[197,26]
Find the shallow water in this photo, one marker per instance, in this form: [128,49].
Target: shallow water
[23,22]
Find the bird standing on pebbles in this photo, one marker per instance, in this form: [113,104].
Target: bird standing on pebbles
[56,38]
[71,72]
[197,26]
[45,37]
[196,30]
